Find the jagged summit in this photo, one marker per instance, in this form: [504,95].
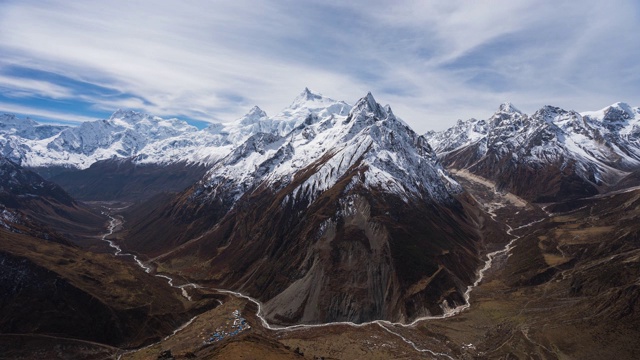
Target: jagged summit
[624,107]
[254,115]
[10,122]
[508,108]
[618,112]
[137,119]
[550,114]
[370,101]
[309,95]
[305,97]
[308,100]
[10,119]
[368,108]
[396,159]
[312,104]
[17,133]
[129,118]
[125,113]
[508,116]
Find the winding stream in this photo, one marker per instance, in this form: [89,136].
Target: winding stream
[384,324]
[113,224]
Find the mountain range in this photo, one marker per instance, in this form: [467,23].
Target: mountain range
[333,194]
[592,150]
[55,278]
[145,138]
[549,155]
[323,213]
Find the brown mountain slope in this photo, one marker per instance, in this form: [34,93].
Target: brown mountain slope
[55,289]
[42,206]
[567,291]
[554,181]
[122,179]
[343,219]
[50,285]
[352,254]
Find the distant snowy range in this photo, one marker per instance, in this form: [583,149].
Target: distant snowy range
[602,146]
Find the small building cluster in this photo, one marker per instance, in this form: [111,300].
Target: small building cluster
[234,325]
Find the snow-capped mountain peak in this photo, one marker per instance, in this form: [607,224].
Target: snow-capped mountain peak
[129,118]
[369,104]
[619,111]
[370,101]
[11,122]
[389,155]
[508,117]
[309,102]
[595,148]
[623,109]
[11,125]
[254,115]
[508,107]
[151,139]
[136,120]
[552,114]
[131,115]
[368,109]
[304,97]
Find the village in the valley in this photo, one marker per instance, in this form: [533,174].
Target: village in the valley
[234,325]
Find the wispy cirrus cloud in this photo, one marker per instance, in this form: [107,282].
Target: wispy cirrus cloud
[21,87]
[434,62]
[58,117]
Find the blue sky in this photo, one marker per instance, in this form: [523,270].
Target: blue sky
[208,61]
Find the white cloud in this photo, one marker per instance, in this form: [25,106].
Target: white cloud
[434,62]
[54,116]
[27,87]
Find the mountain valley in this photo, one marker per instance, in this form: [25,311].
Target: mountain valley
[335,231]
[56,275]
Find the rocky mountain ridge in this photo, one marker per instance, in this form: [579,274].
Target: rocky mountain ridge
[396,159]
[572,153]
[590,151]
